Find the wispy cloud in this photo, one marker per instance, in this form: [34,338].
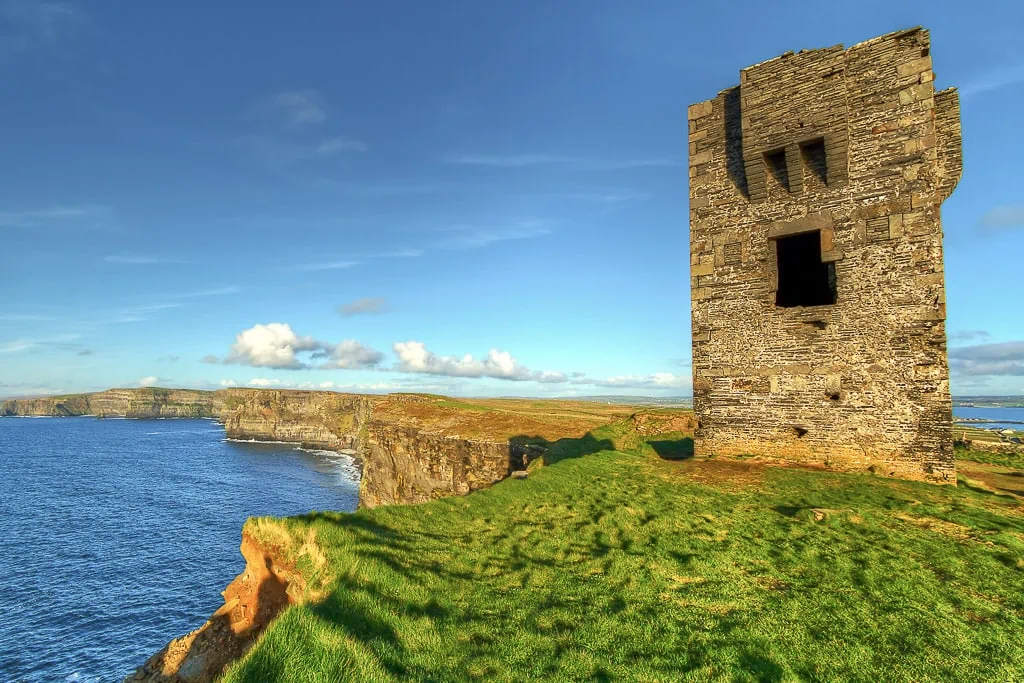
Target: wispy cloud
[1003,218]
[968,335]
[57,218]
[573,162]
[611,197]
[61,342]
[358,259]
[993,79]
[292,108]
[473,237]
[216,291]
[368,305]
[327,265]
[28,24]
[289,150]
[140,259]
[1004,358]
[379,190]
[26,317]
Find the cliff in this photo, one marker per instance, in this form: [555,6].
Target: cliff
[412,447]
[139,403]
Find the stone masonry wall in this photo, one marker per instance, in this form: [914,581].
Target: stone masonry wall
[869,151]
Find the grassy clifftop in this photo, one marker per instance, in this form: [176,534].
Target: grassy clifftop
[622,558]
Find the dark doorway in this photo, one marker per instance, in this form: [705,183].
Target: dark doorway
[803,279]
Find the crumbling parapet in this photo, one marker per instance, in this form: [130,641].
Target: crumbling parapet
[818,303]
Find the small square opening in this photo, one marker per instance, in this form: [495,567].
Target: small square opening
[813,154]
[776,163]
[803,279]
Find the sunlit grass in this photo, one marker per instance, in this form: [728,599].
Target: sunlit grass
[627,565]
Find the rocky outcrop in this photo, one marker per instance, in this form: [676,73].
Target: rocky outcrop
[268,585]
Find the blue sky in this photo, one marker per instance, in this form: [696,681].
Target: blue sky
[467,198]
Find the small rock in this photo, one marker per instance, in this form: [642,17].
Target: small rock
[520,474]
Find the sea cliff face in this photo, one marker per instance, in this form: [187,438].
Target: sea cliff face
[410,450]
[141,403]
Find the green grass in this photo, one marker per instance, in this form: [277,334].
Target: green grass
[643,566]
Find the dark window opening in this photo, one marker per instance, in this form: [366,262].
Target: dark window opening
[813,154]
[803,279]
[776,163]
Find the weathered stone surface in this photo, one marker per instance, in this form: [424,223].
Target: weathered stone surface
[856,145]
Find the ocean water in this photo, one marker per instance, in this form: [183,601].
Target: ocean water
[117,535]
[1004,418]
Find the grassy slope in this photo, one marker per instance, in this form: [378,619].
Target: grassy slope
[627,565]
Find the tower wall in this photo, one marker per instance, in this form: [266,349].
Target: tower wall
[854,147]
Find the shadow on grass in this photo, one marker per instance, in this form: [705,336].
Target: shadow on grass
[679,449]
[526,449]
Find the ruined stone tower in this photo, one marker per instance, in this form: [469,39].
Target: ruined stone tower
[816,260]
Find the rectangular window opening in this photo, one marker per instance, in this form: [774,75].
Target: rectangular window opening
[813,153]
[776,163]
[803,279]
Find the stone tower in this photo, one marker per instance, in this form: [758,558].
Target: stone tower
[817,289]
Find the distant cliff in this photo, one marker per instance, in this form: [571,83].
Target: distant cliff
[412,448]
[140,403]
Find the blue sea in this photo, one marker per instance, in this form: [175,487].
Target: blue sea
[117,535]
[1003,418]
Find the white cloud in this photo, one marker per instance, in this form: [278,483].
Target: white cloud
[263,382]
[472,237]
[1003,358]
[149,381]
[659,380]
[366,305]
[351,355]
[276,345]
[413,356]
[228,383]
